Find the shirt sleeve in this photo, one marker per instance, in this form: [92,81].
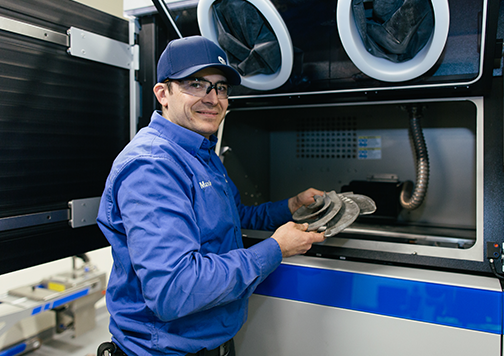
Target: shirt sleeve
[163,244]
[268,216]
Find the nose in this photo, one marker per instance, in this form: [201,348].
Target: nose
[211,95]
[213,86]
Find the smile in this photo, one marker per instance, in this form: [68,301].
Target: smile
[210,113]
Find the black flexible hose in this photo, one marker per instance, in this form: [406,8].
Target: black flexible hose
[83,257]
[494,270]
[412,195]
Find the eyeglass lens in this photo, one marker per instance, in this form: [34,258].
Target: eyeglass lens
[201,87]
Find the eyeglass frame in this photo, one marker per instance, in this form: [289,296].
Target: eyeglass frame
[208,90]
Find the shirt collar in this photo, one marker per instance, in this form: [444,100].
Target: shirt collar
[187,139]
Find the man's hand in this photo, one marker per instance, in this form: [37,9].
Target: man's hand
[303,198]
[294,240]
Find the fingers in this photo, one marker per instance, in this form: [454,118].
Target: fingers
[312,191]
[303,198]
[301,227]
[293,238]
[307,197]
[319,236]
[314,238]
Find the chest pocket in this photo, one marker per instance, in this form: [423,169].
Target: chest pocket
[216,216]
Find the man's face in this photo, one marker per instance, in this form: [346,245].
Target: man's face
[202,115]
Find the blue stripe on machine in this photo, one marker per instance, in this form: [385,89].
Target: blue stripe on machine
[58,302]
[16,350]
[37,310]
[70,298]
[461,307]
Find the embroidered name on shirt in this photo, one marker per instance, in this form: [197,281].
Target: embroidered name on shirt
[204,184]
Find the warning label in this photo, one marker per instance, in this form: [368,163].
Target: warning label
[369,147]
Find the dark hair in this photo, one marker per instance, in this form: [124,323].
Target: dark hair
[169,85]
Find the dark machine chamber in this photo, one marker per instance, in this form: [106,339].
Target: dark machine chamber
[332,126]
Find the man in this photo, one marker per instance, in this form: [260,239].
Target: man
[181,278]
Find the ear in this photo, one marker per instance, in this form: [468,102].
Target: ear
[161,93]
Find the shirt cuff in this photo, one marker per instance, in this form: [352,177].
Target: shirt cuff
[282,212]
[269,256]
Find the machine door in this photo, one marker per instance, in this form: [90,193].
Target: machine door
[355,47]
[63,120]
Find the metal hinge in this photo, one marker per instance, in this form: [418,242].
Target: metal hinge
[89,45]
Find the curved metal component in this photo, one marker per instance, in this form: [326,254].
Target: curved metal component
[412,196]
[366,204]
[345,217]
[334,212]
[334,208]
[305,213]
[319,202]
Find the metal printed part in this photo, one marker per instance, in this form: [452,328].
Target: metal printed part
[306,213]
[332,211]
[345,217]
[365,203]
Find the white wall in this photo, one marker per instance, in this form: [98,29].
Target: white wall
[113,7]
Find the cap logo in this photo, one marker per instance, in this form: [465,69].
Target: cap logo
[222,60]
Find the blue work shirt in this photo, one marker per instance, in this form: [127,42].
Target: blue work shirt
[181,278]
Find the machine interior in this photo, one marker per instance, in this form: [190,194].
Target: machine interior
[276,153]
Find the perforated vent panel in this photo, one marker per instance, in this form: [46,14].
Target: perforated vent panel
[327,137]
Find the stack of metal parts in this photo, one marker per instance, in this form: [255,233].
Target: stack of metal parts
[332,212]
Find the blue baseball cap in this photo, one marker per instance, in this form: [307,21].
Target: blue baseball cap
[186,56]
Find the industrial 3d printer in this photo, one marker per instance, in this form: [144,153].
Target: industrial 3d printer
[327,101]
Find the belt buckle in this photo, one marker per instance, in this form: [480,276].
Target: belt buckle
[224,349]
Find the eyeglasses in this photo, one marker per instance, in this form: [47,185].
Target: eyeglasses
[201,87]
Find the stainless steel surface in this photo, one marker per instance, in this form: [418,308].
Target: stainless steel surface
[88,45]
[33,31]
[83,212]
[408,234]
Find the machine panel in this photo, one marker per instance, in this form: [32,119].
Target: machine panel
[327,307]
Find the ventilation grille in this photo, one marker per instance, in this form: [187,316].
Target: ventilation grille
[327,138]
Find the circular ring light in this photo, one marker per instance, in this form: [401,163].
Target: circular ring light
[208,29]
[381,68]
